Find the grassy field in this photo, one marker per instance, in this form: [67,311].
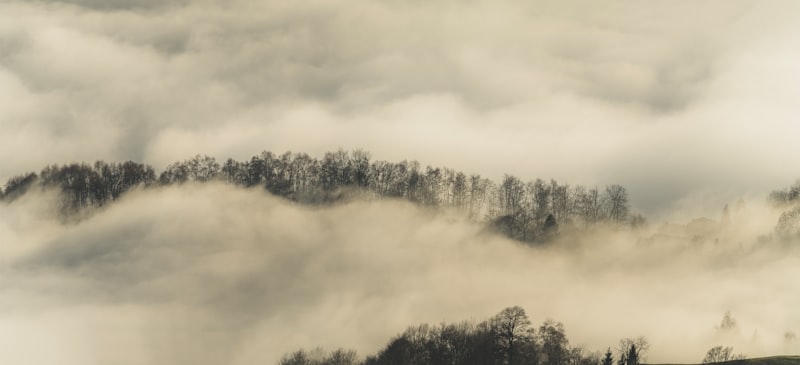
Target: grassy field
[772,360]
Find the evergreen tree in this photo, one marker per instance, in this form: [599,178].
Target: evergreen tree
[550,226]
[633,356]
[608,359]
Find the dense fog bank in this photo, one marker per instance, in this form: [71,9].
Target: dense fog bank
[210,274]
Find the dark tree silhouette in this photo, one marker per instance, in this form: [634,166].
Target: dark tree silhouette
[589,205]
[318,357]
[633,355]
[526,212]
[18,186]
[512,331]
[721,354]
[786,197]
[608,358]
[632,346]
[617,203]
[505,339]
[550,226]
[789,224]
[554,343]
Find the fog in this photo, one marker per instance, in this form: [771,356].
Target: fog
[671,100]
[689,105]
[211,274]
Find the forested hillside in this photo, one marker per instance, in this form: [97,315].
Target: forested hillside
[532,211]
[507,338]
[788,200]
[510,338]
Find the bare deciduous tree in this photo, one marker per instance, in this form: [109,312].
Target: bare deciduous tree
[721,354]
[617,203]
[512,329]
[640,346]
[554,343]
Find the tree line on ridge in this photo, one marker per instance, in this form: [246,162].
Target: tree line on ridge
[531,211]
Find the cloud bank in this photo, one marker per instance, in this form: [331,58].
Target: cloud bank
[211,274]
[671,100]
[687,105]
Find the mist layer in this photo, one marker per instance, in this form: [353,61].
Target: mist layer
[210,274]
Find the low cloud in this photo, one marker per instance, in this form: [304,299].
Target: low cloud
[213,274]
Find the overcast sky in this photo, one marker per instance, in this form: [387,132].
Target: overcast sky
[680,101]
